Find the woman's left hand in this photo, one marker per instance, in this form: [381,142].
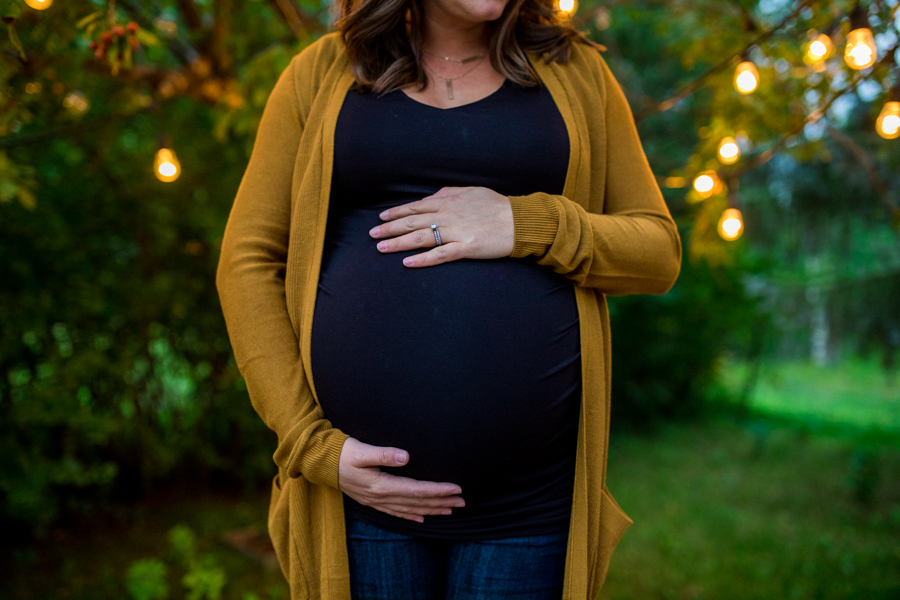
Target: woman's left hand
[474,222]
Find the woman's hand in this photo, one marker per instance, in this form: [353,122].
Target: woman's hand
[474,222]
[360,478]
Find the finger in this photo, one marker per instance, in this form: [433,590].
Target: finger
[427,503]
[435,256]
[420,238]
[419,511]
[389,456]
[425,205]
[417,518]
[402,225]
[389,484]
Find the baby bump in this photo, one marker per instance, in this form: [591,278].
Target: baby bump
[472,366]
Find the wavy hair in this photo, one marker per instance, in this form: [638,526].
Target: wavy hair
[383,39]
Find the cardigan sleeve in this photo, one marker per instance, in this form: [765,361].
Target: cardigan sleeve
[633,247]
[251,287]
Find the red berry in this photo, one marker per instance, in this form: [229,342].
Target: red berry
[92,45]
[106,36]
[134,42]
[132,27]
[117,30]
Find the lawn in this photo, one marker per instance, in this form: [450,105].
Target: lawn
[759,509]
[854,392]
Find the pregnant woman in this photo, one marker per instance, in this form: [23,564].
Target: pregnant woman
[413,275]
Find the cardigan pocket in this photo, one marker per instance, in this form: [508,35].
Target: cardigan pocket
[613,524]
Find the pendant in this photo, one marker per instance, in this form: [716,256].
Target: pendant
[449,89]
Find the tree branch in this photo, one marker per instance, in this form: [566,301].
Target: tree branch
[189,13]
[294,17]
[695,85]
[863,157]
[764,157]
[220,31]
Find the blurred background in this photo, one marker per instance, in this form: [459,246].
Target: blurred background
[756,406]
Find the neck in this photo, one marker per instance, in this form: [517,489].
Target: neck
[448,35]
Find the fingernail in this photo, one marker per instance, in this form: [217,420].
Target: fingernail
[408,261]
[401,456]
[446,512]
[457,491]
[373,231]
[460,504]
[383,214]
[382,245]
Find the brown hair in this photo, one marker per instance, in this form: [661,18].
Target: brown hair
[385,54]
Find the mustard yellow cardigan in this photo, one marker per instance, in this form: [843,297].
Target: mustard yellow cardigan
[610,232]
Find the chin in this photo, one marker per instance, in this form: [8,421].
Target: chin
[480,10]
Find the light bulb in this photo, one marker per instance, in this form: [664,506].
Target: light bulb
[731,225]
[707,183]
[39,4]
[76,103]
[729,152]
[568,6]
[820,48]
[746,77]
[166,165]
[860,51]
[888,124]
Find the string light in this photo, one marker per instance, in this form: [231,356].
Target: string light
[888,123]
[729,152]
[707,184]
[731,225]
[76,103]
[746,77]
[860,51]
[166,165]
[568,6]
[39,4]
[820,48]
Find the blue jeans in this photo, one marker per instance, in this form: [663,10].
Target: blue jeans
[392,566]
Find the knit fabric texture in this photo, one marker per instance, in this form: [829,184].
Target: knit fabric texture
[610,232]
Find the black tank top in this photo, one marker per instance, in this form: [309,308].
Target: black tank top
[473,366]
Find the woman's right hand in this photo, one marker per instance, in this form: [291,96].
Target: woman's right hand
[360,478]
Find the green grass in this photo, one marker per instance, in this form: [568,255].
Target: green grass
[856,392]
[757,510]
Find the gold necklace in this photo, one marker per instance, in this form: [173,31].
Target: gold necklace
[449,80]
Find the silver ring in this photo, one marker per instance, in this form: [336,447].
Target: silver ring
[437,234]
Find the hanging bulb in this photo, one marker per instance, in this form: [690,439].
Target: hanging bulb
[888,124]
[39,4]
[820,48]
[568,6]
[861,51]
[166,165]
[729,152]
[746,77]
[707,183]
[731,225]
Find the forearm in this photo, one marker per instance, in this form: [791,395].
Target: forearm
[635,251]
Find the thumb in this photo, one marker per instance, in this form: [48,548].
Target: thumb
[387,456]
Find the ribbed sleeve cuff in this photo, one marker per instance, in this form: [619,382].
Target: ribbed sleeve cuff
[320,461]
[536,222]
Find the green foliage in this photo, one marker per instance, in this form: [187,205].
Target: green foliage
[665,348]
[147,580]
[203,578]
